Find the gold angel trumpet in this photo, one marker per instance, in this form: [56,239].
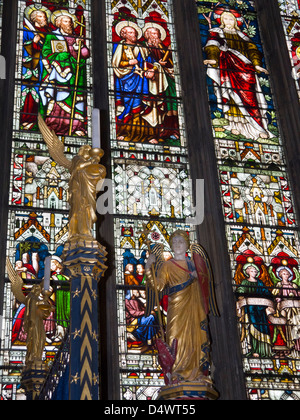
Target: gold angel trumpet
[86,173]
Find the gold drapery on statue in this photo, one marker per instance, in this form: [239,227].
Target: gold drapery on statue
[86,173]
[37,311]
[37,308]
[188,282]
[186,322]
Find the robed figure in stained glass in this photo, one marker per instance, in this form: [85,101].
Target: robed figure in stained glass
[284,272]
[64,77]
[155,36]
[233,64]
[140,84]
[254,304]
[141,329]
[188,283]
[36,27]
[62,295]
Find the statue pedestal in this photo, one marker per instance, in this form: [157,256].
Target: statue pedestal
[33,379]
[84,263]
[188,391]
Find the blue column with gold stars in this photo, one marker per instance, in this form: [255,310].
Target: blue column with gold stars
[84,262]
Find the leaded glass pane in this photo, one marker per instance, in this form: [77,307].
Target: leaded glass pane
[31,238]
[271,356]
[146,107]
[159,190]
[53,78]
[37,181]
[263,198]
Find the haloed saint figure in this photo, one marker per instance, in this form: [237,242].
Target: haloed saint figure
[54,70]
[230,56]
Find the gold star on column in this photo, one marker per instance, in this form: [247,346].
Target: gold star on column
[76,293]
[94,294]
[94,335]
[75,378]
[95,379]
[76,333]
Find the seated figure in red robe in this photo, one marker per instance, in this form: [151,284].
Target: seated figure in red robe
[233,63]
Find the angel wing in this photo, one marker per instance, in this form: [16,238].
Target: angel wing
[206,278]
[55,146]
[157,250]
[16,282]
[297,277]
[273,277]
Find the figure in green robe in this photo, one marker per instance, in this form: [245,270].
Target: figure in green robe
[64,55]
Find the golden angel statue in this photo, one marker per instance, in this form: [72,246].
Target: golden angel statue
[86,173]
[188,282]
[38,308]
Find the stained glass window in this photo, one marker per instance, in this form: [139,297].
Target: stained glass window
[290,14]
[53,77]
[150,172]
[1,9]
[49,79]
[257,200]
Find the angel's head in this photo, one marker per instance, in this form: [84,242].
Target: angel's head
[179,235]
[56,263]
[251,270]
[229,21]
[18,264]
[285,274]
[84,151]
[36,290]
